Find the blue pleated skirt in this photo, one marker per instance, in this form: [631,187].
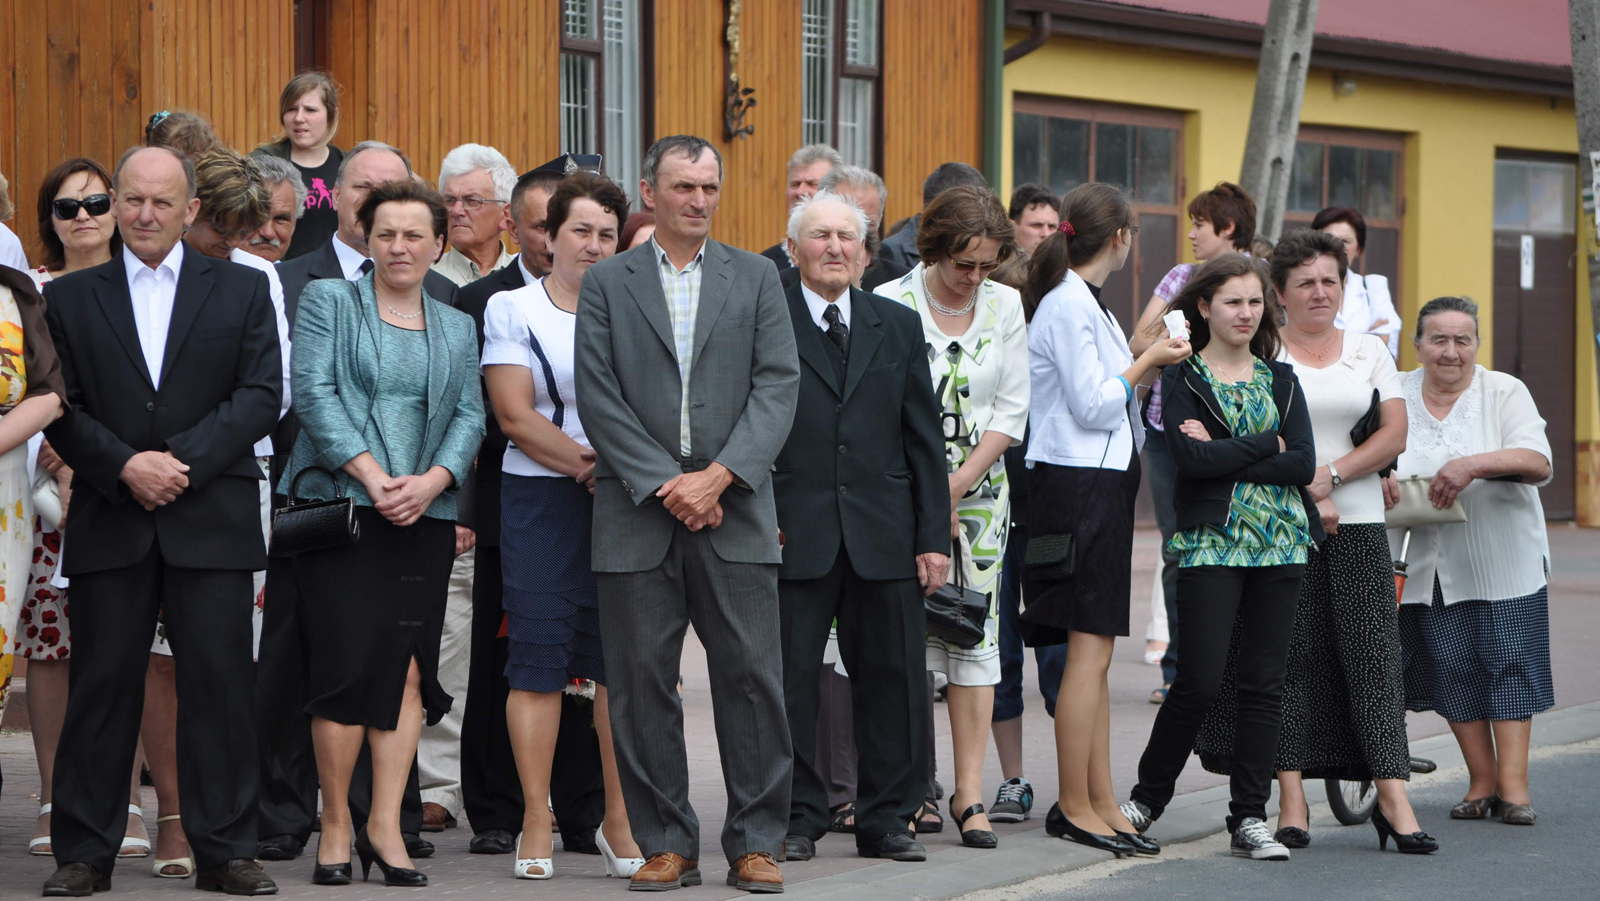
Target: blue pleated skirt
[1478,660]
[550,598]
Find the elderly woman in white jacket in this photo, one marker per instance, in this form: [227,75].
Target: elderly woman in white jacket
[1084,453]
[1474,619]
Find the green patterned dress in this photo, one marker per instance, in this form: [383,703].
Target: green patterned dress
[1267,524]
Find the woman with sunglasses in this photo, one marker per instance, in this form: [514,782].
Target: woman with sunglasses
[978,347]
[77,230]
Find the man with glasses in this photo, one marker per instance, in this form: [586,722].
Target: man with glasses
[476,182]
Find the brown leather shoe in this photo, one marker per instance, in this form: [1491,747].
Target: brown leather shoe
[665,871]
[435,818]
[756,873]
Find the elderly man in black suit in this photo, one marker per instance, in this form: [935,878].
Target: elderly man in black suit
[172,368]
[288,763]
[864,506]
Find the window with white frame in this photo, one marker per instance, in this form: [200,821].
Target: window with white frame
[602,102]
[840,52]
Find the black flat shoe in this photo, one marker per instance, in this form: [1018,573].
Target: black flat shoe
[1057,824]
[895,846]
[279,847]
[236,877]
[973,838]
[417,846]
[1293,837]
[1418,842]
[798,847]
[76,880]
[396,876]
[331,874]
[580,840]
[1149,847]
[492,841]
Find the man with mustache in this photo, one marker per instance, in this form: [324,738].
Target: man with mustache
[271,241]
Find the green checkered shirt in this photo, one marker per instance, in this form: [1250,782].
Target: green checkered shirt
[682,287]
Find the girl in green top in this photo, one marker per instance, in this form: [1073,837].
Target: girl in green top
[1240,437]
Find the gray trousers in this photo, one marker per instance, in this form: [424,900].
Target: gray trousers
[734,610]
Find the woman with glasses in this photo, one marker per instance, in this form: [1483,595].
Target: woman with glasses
[978,348]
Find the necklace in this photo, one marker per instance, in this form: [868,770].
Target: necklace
[1231,379]
[972,299]
[399,315]
[1320,355]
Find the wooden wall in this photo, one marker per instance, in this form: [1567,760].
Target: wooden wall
[933,94]
[80,77]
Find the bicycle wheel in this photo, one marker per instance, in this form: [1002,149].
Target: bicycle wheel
[1351,801]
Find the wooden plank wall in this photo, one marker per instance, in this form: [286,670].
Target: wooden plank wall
[933,94]
[428,75]
[80,77]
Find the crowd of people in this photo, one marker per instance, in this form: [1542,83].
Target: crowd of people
[426,522]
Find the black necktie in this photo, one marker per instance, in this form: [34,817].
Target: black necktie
[837,330]
[366,267]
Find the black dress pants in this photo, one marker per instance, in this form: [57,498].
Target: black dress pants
[207,614]
[881,639]
[1211,599]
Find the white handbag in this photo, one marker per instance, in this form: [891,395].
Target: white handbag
[1416,509]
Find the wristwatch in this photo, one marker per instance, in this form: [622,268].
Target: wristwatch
[1334,475]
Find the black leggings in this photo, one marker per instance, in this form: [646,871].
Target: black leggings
[1210,598]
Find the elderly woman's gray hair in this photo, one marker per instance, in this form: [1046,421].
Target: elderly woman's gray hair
[276,170]
[471,157]
[798,214]
[1447,304]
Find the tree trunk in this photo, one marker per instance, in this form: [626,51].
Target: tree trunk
[1275,114]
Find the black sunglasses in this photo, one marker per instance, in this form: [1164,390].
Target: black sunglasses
[96,204]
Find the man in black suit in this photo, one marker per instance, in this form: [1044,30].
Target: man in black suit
[864,507]
[806,170]
[173,372]
[288,763]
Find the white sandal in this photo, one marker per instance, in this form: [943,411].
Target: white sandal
[141,846]
[43,840]
[624,867]
[525,866]
[157,865]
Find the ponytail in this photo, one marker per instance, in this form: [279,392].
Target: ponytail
[1091,214]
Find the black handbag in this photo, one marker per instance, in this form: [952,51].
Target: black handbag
[1050,557]
[955,612]
[1367,426]
[314,525]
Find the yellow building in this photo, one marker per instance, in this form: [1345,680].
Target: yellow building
[1458,155]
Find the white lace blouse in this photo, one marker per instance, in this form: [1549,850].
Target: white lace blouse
[1502,551]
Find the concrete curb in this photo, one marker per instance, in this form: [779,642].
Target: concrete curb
[1022,856]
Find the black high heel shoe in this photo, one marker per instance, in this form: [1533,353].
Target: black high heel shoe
[397,876]
[1418,842]
[1057,824]
[973,838]
[329,873]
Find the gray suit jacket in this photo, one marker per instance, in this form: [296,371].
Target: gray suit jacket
[742,394]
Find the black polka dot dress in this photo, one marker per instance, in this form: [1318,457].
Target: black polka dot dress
[1343,702]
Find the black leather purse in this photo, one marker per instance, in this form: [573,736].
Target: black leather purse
[1050,557]
[955,612]
[314,525]
[1367,426]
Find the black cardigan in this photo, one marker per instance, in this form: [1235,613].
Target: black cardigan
[1208,470]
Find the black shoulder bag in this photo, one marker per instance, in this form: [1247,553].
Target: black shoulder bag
[955,612]
[1367,426]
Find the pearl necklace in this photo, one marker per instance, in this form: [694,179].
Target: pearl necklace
[399,315]
[940,308]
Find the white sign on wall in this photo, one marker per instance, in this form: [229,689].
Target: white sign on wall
[1527,262]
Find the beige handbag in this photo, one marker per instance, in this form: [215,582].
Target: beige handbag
[1415,509]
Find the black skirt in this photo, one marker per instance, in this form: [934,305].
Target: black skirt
[1095,506]
[368,609]
[550,597]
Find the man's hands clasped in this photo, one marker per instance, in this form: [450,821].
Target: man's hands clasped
[155,478]
[695,497]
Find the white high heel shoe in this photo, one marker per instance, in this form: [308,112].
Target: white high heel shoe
[623,867]
[526,866]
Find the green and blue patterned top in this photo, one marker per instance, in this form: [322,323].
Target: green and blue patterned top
[1267,524]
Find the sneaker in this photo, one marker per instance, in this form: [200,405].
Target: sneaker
[1253,840]
[1013,802]
[1138,815]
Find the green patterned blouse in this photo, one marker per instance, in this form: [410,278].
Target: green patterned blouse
[1267,524]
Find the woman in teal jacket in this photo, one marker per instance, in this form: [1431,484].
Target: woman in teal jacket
[386,390]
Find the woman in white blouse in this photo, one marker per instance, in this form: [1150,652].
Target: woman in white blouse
[1367,306]
[1475,625]
[1084,453]
[552,608]
[978,351]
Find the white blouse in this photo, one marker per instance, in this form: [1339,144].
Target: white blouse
[525,328]
[1337,396]
[1502,550]
[1083,413]
[1366,300]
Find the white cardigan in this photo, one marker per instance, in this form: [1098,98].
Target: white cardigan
[1081,413]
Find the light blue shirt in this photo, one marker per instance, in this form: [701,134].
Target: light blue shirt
[682,288]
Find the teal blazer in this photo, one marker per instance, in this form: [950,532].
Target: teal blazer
[334,367]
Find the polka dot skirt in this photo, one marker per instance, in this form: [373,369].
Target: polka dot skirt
[1478,660]
[1343,711]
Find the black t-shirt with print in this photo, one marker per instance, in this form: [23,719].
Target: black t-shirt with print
[320,220]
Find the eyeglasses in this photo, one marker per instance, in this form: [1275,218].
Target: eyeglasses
[970,265]
[67,207]
[473,204]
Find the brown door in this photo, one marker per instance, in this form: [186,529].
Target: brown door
[1535,203]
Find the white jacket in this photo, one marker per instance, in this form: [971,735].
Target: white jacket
[1367,300]
[1081,413]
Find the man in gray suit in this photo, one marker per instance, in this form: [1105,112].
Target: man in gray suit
[688,377]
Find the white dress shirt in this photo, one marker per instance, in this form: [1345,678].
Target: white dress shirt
[350,259]
[263,447]
[153,292]
[817,305]
[528,277]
